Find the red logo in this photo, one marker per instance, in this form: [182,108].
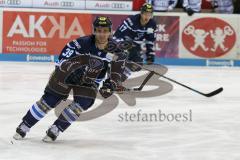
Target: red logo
[208,37]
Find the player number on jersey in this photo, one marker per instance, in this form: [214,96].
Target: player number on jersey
[123,28]
[68,53]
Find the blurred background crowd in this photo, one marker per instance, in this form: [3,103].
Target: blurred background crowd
[188,6]
[192,6]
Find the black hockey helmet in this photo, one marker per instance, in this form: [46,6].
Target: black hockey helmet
[102,21]
[146,7]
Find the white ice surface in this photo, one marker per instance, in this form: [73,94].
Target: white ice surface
[213,134]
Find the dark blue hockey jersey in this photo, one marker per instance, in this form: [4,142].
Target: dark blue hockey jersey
[86,46]
[131,28]
[82,45]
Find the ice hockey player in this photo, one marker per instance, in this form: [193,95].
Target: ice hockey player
[82,65]
[163,5]
[140,29]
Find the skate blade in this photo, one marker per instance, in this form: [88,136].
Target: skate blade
[47,139]
[17,136]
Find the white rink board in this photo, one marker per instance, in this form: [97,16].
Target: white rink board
[16,3]
[60,4]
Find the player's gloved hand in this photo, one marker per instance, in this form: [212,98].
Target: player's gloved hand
[76,78]
[150,59]
[189,11]
[120,89]
[108,88]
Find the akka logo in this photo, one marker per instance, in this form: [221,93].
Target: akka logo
[47,32]
[35,24]
[45,26]
[209,37]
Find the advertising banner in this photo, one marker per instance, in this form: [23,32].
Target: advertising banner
[209,36]
[167,33]
[45,33]
[167,36]
[66,4]
[109,5]
[16,3]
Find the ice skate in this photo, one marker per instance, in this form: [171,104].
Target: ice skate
[52,134]
[21,131]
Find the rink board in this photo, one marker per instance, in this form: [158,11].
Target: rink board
[164,61]
[200,40]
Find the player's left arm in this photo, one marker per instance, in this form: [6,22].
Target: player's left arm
[70,50]
[73,61]
[150,40]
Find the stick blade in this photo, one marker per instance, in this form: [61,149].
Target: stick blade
[219,90]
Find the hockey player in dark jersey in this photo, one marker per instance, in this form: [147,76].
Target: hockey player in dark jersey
[140,29]
[82,65]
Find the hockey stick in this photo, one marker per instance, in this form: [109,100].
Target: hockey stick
[149,76]
[122,90]
[213,93]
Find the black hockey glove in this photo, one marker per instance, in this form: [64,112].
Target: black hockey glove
[108,88]
[150,59]
[189,11]
[76,77]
